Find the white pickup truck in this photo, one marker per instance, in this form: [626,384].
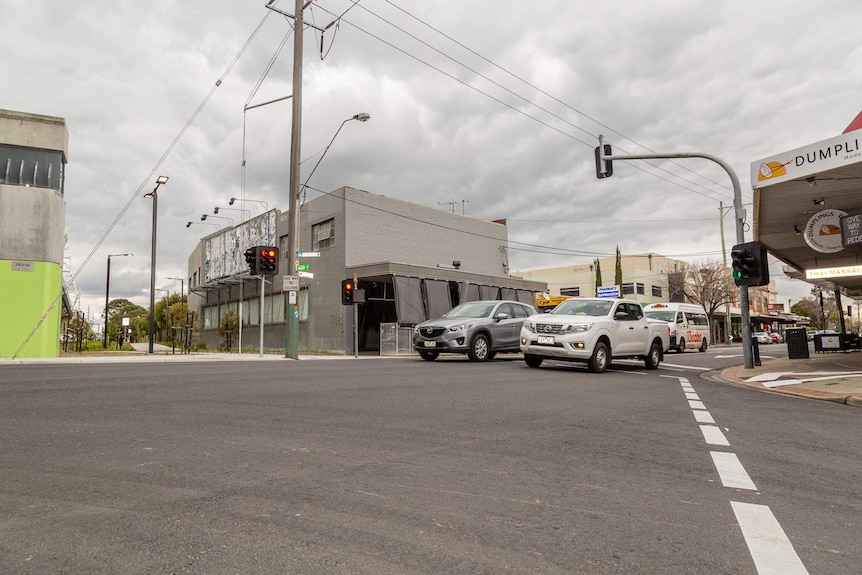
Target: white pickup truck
[594,330]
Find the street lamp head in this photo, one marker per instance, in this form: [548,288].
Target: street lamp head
[362,117]
[162,180]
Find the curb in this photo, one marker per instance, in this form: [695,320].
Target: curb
[731,375]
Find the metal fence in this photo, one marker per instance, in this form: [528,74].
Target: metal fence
[396,339]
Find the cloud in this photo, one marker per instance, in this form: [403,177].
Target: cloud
[500,117]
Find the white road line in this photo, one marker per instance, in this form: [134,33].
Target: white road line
[696,404]
[688,367]
[713,435]
[731,471]
[702,416]
[771,550]
[691,395]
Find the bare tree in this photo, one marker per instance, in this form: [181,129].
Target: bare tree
[709,284]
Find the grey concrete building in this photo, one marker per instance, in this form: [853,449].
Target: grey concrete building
[413,262]
[33,154]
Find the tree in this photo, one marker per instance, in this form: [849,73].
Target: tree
[120,308]
[618,272]
[598,276]
[709,284]
[229,328]
[826,316]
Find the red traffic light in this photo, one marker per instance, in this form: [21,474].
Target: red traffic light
[347,292]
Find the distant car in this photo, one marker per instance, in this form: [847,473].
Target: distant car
[776,337]
[481,329]
[811,334]
[761,337]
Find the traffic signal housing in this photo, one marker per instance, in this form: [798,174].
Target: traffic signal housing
[750,264]
[347,289]
[267,260]
[251,260]
[608,165]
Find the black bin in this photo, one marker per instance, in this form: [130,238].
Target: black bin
[797,343]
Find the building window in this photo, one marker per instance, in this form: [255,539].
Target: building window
[31,167]
[302,303]
[628,289]
[571,291]
[323,235]
[656,291]
[640,288]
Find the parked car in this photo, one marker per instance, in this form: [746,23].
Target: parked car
[761,337]
[481,329]
[776,337]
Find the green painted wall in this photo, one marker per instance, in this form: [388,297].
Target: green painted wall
[27,291]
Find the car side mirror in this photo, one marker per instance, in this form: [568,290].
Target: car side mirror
[501,316]
[620,315]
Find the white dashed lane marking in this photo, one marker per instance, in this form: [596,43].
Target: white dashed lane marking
[771,550]
[769,546]
[731,471]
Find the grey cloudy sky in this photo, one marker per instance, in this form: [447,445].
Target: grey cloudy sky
[494,105]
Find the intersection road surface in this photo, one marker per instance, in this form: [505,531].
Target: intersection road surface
[400,466]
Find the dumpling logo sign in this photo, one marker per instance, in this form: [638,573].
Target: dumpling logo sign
[823,231]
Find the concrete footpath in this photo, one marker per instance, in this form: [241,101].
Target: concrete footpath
[831,376]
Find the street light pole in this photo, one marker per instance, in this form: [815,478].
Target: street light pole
[107,292]
[155,195]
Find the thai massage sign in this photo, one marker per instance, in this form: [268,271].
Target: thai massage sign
[851,233]
[823,231]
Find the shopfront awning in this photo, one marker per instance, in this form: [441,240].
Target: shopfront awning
[804,203]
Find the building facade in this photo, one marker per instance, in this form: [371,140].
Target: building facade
[413,263]
[33,155]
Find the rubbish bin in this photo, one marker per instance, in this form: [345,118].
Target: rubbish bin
[797,343]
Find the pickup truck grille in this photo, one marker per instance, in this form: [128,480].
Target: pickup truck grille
[549,328]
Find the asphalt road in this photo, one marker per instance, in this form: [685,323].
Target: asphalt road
[400,466]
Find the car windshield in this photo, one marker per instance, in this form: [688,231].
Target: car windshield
[472,309]
[663,315]
[583,307]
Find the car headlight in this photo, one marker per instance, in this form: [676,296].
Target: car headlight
[416,330]
[576,328]
[528,325]
[462,327]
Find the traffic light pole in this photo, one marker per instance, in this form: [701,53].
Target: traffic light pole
[262,288]
[739,216]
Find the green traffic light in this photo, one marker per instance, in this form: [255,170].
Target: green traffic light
[738,274]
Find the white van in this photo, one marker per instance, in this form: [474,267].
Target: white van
[689,324]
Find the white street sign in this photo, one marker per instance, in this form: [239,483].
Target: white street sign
[305,275]
[291,282]
[308,254]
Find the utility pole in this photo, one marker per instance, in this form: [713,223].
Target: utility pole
[291,335]
[727,322]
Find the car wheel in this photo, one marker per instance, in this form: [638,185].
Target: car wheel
[532,360]
[600,359]
[703,346]
[479,348]
[681,347]
[653,358]
[429,355]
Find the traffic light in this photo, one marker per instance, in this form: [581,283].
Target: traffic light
[750,264]
[347,287]
[267,263]
[609,165]
[251,260]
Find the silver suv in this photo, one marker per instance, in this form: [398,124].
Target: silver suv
[481,329]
